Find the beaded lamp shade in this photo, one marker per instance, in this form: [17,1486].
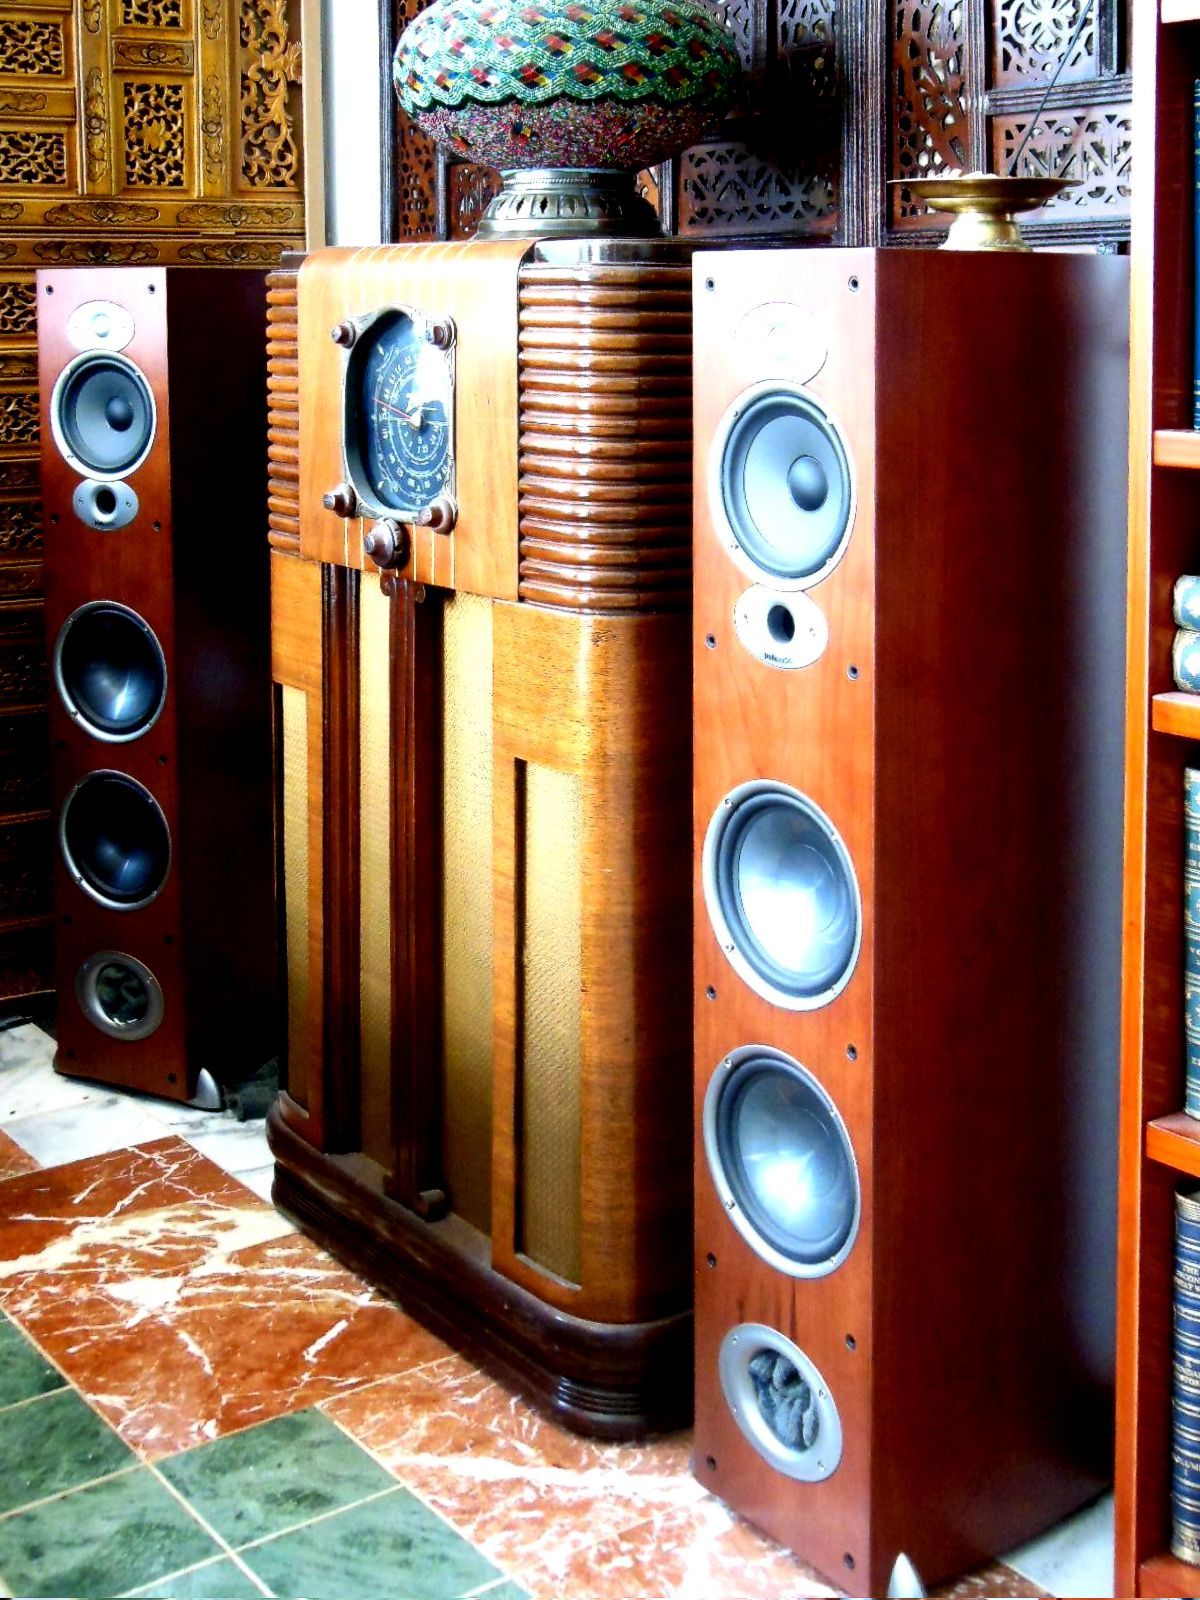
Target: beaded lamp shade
[568,99]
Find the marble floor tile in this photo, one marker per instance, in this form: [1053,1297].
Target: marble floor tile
[72,1133]
[189,1323]
[234,1146]
[24,1373]
[215,1580]
[269,1479]
[54,1443]
[83,1216]
[697,1552]
[28,1081]
[1075,1558]
[104,1539]
[520,1488]
[391,1546]
[14,1160]
[259,1181]
[997,1582]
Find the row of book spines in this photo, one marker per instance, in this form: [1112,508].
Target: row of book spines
[1191,938]
[1185,1381]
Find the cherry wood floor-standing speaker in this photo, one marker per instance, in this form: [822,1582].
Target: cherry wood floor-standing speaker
[481,652]
[153,396]
[908,706]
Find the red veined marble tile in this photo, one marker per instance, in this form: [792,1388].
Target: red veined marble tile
[13,1160]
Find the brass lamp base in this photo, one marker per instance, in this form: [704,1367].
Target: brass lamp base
[568,202]
[984,205]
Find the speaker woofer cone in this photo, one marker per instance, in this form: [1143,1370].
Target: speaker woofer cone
[115,841]
[782,895]
[781,486]
[110,671]
[782,1162]
[119,995]
[102,415]
[781,1402]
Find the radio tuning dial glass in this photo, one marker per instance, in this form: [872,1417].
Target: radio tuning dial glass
[399,414]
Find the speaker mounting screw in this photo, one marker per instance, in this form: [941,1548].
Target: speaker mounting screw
[345,334]
[440,334]
[342,501]
[387,544]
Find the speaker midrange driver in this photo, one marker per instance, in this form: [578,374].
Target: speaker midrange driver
[102,415]
[782,1162]
[782,895]
[110,670]
[115,840]
[781,486]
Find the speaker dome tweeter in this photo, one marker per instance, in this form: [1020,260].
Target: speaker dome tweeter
[781,486]
[781,1402]
[102,415]
[782,1162]
[115,840]
[110,671]
[782,895]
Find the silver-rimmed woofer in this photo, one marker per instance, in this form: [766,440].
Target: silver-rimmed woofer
[782,895]
[102,415]
[781,486]
[119,995]
[781,1402]
[115,840]
[110,671]
[782,1162]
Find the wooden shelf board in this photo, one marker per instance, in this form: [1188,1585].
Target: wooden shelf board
[1174,1141]
[1177,713]
[1165,1576]
[1178,447]
[1181,10]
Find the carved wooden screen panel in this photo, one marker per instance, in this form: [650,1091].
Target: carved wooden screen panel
[968,78]
[131,131]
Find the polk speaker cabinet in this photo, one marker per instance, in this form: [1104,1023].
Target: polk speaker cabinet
[153,401]
[481,649]
[908,704]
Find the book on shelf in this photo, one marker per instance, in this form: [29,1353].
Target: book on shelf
[1191,939]
[1185,1381]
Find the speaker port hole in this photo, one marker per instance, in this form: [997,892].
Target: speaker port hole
[171,1078]
[848,1562]
[711,1463]
[710,1260]
[105,503]
[852,672]
[781,624]
[162,761]
[851,1342]
[853,285]
[710,640]
[710,992]
[852,1052]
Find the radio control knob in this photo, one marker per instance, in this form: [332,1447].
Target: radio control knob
[387,544]
[342,501]
[345,334]
[440,515]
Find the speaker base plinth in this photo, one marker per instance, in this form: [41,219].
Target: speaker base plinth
[606,1380]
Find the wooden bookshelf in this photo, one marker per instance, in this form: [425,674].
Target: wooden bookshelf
[1159,1145]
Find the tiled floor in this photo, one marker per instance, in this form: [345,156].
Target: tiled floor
[196,1401]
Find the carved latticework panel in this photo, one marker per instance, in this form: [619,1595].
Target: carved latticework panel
[155,136]
[931,125]
[1031,37]
[471,188]
[32,47]
[1092,147]
[729,189]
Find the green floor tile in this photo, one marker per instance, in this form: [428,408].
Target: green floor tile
[501,1591]
[53,1444]
[102,1540]
[392,1547]
[23,1372]
[217,1580]
[276,1476]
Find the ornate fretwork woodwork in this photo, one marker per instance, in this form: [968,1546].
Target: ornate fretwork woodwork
[270,71]
[1031,36]
[155,135]
[730,189]
[1092,147]
[18,419]
[471,188]
[18,309]
[20,530]
[152,13]
[930,114]
[33,157]
[33,48]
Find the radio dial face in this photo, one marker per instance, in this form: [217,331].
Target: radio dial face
[399,442]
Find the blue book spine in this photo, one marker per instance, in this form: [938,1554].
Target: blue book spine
[1191,939]
[1185,1386]
[1186,602]
[1196,283]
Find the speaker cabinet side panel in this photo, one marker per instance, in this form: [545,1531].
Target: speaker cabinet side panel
[591,736]
[767,324]
[999,806]
[297,671]
[220,565]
